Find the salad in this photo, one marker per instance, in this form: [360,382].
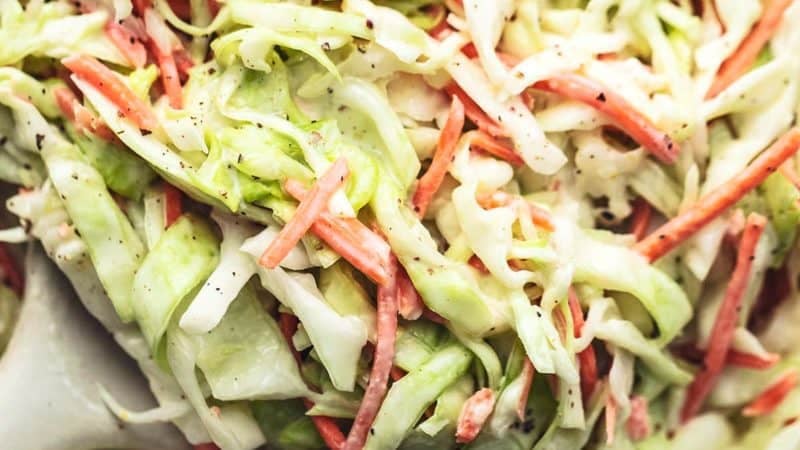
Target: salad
[415,224]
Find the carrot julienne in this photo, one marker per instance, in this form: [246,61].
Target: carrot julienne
[528,372]
[473,415]
[611,419]
[309,210]
[587,359]
[409,302]
[381,364]
[681,227]
[605,100]
[355,242]
[104,80]
[492,146]
[172,204]
[750,360]
[474,113]
[430,182]
[773,395]
[725,324]
[745,55]
[638,424]
[84,120]
[642,211]
[130,47]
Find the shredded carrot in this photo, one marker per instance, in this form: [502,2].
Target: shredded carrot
[605,100]
[140,6]
[772,396]
[83,119]
[183,61]
[681,227]
[587,359]
[611,419]
[327,428]
[181,8]
[473,415]
[288,325]
[750,360]
[742,59]
[445,152]
[9,272]
[433,316]
[474,113]
[540,217]
[397,373]
[104,80]
[722,333]
[170,78]
[640,221]
[172,204]
[478,265]
[309,210]
[692,353]
[130,47]
[364,249]
[528,372]
[381,364]
[409,303]
[638,424]
[207,446]
[494,147]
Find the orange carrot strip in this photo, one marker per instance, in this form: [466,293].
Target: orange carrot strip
[206,446]
[9,272]
[170,78]
[104,80]
[474,113]
[445,152]
[492,146]
[473,415]
[83,119]
[183,61]
[539,216]
[681,227]
[751,361]
[172,204]
[528,372]
[397,373]
[288,325]
[354,241]
[638,424]
[722,333]
[611,419]
[327,428]
[409,303]
[642,211]
[433,316]
[381,364]
[309,210]
[587,359]
[745,55]
[618,109]
[181,8]
[772,396]
[140,6]
[130,47]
